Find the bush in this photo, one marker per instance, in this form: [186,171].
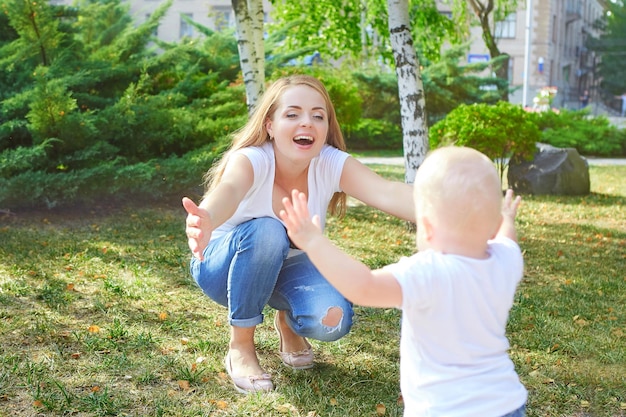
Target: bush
[499,131]
[594,136]
[115,179]
[375,134]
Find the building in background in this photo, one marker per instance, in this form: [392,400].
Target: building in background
[213,14]
[558,58]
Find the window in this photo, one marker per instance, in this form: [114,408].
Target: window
[186,30]
[507,27]
[221,18]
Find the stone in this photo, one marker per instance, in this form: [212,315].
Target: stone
[558,171]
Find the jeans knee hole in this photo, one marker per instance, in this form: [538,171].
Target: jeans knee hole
[333,317]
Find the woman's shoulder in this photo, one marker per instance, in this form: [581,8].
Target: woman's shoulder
[331,150]
[331,155]
[263,152]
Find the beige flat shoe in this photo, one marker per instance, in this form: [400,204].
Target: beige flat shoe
[249,384]
[302,359]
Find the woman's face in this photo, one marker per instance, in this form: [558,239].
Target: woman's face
[299,126]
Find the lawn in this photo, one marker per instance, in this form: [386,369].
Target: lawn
[100,317]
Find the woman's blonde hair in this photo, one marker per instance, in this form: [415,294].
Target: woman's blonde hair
[254,133]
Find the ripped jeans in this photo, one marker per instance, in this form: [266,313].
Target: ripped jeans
[249,267]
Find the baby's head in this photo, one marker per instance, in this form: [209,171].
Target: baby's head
[458,195]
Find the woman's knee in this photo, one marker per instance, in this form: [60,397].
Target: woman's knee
[332,325]
[266,234]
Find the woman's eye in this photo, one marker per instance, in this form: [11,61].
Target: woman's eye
[319,117]
[291,115]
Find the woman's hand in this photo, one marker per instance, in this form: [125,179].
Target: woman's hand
[198,228]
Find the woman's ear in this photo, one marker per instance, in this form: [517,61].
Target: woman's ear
[268,127]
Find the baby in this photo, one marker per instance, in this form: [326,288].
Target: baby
[455,292]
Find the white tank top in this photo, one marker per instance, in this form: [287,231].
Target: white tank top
[323,181]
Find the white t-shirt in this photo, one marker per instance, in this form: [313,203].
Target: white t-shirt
[453,349]
[323,181]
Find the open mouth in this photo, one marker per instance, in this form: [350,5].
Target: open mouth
[303,140]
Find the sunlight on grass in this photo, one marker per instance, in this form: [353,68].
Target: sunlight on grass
[100,316]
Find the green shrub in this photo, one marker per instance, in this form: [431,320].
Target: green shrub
[499,131]
[115,179]
[22,159]
[375,134]
[576,129]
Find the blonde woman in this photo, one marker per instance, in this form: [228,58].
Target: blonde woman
[242,256]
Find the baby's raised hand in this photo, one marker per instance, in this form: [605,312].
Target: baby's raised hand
[300,227]
[510,204]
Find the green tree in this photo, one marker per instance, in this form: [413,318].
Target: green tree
[448,83]
[610,47]
[499,131]
[487,13]
[358,29]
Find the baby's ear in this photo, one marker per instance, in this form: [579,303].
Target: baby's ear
[427,227]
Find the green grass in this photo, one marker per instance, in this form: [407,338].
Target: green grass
[98,316]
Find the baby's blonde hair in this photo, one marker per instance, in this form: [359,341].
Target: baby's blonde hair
[459,188]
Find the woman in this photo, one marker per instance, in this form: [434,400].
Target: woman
[242,257]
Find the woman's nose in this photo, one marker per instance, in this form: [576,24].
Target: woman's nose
[306,120]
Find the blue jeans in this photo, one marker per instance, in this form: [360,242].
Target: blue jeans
[248,268]
[520,412]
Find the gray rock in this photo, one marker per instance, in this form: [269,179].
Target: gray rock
[559,171]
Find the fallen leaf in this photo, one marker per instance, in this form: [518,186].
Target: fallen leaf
[286,408]
[184,341]
[333,401]
[162,316]
[184,385]
[37,403]
[93,329]
[381,410]
[95,388]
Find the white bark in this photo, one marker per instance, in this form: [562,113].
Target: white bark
[410,88]
[256,13]
[249,23]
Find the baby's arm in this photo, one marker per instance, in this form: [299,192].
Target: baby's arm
[352,278]
[509,211]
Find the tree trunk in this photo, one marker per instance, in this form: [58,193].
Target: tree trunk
[410,88]
[482,12]
[249,23]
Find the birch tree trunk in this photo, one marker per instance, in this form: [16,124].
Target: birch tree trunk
[410,89]
[249,23]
